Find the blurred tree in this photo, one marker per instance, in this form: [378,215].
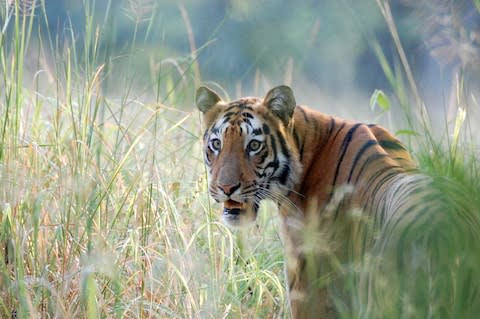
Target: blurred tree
[326,43]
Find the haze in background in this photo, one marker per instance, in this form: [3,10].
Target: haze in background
[323,49]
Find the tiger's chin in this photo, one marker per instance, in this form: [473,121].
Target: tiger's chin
[239,215]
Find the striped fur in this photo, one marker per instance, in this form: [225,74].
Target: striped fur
[316,167]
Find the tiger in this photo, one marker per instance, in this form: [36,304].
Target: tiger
[302,159]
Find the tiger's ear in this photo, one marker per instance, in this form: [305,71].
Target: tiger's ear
[205,99]
[281,102]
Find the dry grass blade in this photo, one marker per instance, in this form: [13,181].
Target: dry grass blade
[191,41]
[452,31]
[25,7]
[387,14]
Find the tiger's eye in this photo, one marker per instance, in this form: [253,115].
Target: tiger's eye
[254,145]
[215,144]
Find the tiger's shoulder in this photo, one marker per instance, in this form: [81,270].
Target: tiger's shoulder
[313,131]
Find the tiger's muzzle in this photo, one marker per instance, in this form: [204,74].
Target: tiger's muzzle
[239,214]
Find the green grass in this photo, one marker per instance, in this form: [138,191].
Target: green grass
[104,210]
[425,266]
[104,204]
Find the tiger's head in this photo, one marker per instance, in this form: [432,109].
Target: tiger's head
[248,150]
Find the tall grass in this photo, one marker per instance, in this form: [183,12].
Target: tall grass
[104,209]
[426,266]
[104,212]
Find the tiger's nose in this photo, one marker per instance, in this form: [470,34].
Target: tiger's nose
[229,189]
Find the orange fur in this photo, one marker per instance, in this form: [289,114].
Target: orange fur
[321,150]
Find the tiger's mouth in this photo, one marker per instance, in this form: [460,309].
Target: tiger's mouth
[238,214]
[232,207]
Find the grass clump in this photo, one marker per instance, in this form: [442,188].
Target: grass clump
[104,212]
[425,265]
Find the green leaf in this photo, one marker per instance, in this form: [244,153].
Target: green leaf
[379,98]
[90,295]
[406,132]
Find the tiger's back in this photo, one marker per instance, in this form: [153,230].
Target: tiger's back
[346,166]
[316,167]
[335,153]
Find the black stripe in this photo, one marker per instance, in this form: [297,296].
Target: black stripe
[229,114]
[207,157]
[257,131]
[274,146]
[225,120]
[374,177]
[264,156]
[379,173]
[364,148]
[397,221]
[266,128]
[233,106]
[283,145]
[241,106]
[368,205]
[247,121]
[346,142]
[247,115]
[305,116]
[332,125]
[260,175]
[284,175]
[368,161]
[273,164]
[379,184]
[248,129]
[326,138]
[249,190]
[392,145]
[338,131]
